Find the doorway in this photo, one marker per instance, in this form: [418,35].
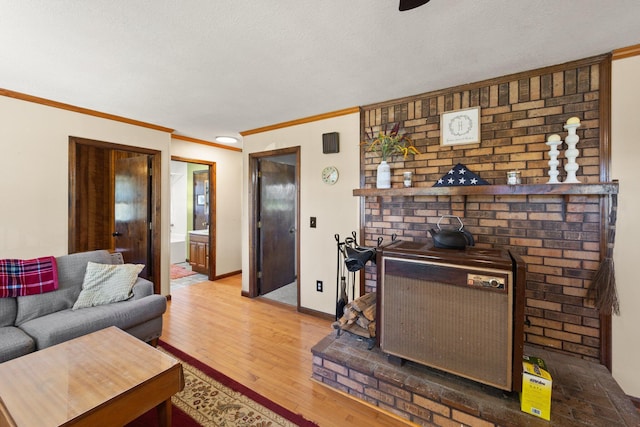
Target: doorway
[193,221]
[274,222]
[114,203]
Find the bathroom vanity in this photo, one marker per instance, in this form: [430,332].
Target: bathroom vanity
[199,251]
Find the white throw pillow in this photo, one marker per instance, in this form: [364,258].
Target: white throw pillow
[107,283]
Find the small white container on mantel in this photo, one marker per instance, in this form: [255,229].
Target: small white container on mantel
[513,177]
[406,178]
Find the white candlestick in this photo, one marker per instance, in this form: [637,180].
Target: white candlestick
[571,167]
[553,141]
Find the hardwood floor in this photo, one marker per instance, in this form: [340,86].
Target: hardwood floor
[265,346]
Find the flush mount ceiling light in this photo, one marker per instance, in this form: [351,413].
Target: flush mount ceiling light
[411,4]
[226,139]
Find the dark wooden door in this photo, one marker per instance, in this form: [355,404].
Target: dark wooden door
[201,199]
[91,213]
[277,239]
[132,208]
[92,200]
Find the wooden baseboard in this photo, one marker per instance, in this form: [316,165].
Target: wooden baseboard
[315,313]
[303,310]
[222,276]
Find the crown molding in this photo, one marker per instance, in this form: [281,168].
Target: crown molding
[309,119]
[202,141]
[626,52]
[81,110]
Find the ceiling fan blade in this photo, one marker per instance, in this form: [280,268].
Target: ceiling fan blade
[411,4]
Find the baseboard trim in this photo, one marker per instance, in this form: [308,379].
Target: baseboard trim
[315,313]
[222,276]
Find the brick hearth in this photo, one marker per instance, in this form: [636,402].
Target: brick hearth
[562,239]
[584,393]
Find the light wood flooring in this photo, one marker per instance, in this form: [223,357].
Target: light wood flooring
[265,346]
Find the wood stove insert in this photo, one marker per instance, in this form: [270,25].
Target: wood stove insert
[460,311]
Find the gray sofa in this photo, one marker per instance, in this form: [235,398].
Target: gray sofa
[34,322]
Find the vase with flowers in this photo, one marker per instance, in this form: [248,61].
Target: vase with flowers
[388,144]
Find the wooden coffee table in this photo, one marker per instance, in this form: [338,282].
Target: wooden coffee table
[105,378]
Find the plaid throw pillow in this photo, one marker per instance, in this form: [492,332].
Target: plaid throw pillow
[20,277]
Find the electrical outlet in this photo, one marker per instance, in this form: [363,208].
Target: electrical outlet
[312,222]
[319,285]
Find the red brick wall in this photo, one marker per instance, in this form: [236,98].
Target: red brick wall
[559,237]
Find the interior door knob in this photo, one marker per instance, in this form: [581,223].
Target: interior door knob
[116,234]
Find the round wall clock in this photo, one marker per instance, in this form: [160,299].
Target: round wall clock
[330,175]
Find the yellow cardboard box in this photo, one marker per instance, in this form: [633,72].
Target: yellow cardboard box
[535,397]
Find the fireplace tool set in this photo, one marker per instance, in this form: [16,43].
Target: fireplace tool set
[351,257]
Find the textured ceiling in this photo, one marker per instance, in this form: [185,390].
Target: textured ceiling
[218,67]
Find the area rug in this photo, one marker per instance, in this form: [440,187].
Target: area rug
[178,272]
[210,398]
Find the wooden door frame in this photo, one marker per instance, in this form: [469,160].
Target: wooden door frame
[156,167]
[254,191]
[212,209]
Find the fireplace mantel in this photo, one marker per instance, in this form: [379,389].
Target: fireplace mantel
[520,189]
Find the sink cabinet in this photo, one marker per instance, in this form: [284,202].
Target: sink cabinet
[199,253]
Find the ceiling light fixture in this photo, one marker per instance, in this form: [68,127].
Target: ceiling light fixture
[411,4]
[226,139]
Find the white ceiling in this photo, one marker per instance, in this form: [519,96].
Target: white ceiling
[218,67]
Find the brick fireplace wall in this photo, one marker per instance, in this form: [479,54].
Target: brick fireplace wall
[560,237]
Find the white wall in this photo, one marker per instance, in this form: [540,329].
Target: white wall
[178,218]
[178,197]
[625,147]
[34,170]
[228,198]
[335,207]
